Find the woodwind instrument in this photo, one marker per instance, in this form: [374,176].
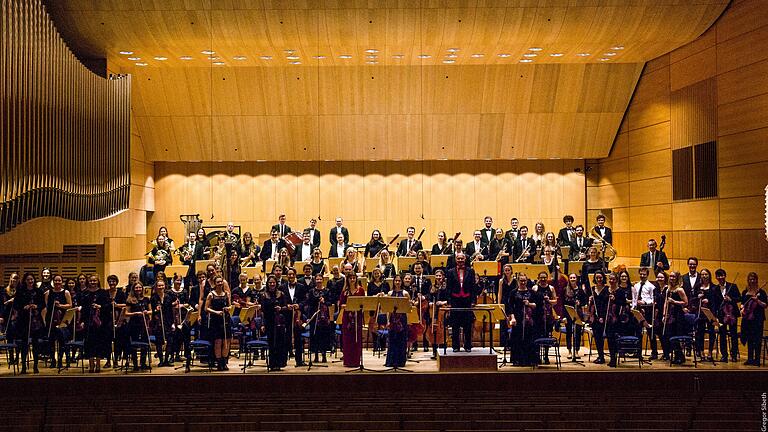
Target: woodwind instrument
[424,229]
[394,239]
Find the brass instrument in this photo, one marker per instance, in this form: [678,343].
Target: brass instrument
[608,249]
[524,253]
[501,251]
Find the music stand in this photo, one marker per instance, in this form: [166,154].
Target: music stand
[388,305]
[333,261]
[576,320]
[203,264]
[715,323]
[530,270]
[173,270]
[486,268]
[370,264]
[640,318]
[250,272]
[437,261]
[361,304]
[269,266]
[404,263]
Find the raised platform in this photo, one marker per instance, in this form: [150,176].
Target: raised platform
[475,361]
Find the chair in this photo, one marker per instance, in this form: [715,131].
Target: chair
[259,345]
[545,344]
[682,343]
[74,349]
[136,347]
[629,345]
[10,348]
[381,335]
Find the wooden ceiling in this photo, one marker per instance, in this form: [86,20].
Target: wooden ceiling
[394,97]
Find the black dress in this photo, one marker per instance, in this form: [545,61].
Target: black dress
[219,326]
[317,268]
[397,354]
[276,327]
[320,332]
[98,323]
[589,268]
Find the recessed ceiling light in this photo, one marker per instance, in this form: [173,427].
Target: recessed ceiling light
[424,56]
[239,57]
[535,49]
[141,64]
[292,57]
[609,54]
[477,55]
[451,56]
[398,56]
[504,55]
[371,57]
[530,55]
[208,52]
[617,47]
[126,52]
[526,60]
[134,58]
[266,57]
[453,50]
[161,58]
[214,58]
[345,56]
[371,51]
[604,59]
[372,62]
[185,58]
[295,62]
[319,57]
[218,63]
[556,55]
[449,61]
[584,54]
[289,51]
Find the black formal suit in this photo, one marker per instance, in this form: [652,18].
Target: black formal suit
[282,232]
[461,294]
[297,253]
[586,243]
[562,237]
[299,297]
[344,232]
[332,253]
[402,248]
[486,235]
[608,236]
[658,256]
[728,331]
[512,234]
[520,246]
[266,250]
[314,237]
[470,250]
[688,288]
[421,284]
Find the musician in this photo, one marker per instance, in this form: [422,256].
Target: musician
[6,304]
[462,290]
[538,234]
[219,324]
[162,322]
[753,304]
[576,297]
[45,283]
[339,229]
[295,298]
[616,319]
[233,268]
[546,314]
[28,303]
[654,258]
[579,245]
[422,286]
[335,285]
[307,279]
[387,267]
[303,252]
[163,231]
[374,245]
[442,247]
[506,285]
[642,296]
[281,228]
[160,256]
[271,248]
[477,249]
[138,313]
[438,298]
[202,239]
[179,300]
[409,246]
[488,233]
[377,284]
[317,263]
[691,280]
[248,250]
[397,354]
[603,230]
[458,246]
[673,322]
[352,322]
[56,301]
[339,247]
[592,265]
[96,312]
[550,242]
[524,248]
[314,233]
[728,314]
[421,258]
[275,324]
[500,248]
[513,232]
[525,304]
[598,312]
[567,234]
[117,302]
[320,327]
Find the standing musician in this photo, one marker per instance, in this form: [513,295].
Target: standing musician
[525,248]
[163,231]
[545,315]
[339,229]
[28,303]
[139,314]
[576,297]
[603,230]
[477,250]
[488,233]
[438,298]
[592,265]
[352,322]
[303,252]
[233,269]
[526,305]
[45,282]
[386,266]
[567,234]
[442,247]
[162,322]
[281,228]
[317,263]
[339,247]
[728,314]
[160,256]
[295,298]
[673,322]
[374,245]
[271,249]
[500,248]
[421,258]
[248,250]
[642,297]
[117,298]
[462,290]
[409,246]
[179,304]
[616,318]
[350,258]
[314,233]
[219,324]
[655,259]
[704,297]
[275,324]
[598,313]
[307,279]
[96,313]
[458,246]
[397,353]
[318,309]
[550,242]
[57,301]
[691,281]
[753,304]
[580,244]
[506,286]
[513,233]
[538,234]
[422,286]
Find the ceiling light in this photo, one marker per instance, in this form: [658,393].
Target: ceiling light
[424,56]
[371,51]
[617,47]
[218,63]
[535,49]
[292,57]
[161,58]
[239,58]
[345,56]
[134,58]
[478,55]
[451,56]
[398,56]
[208,52]
[584,54]
[185,58]
[126,52]
[449,61]
[604,59]
[266,57]
[526,60]
[453,50]
[319,57]
[289,51]
[141,64]
[295,62]
[372,62]
[530,55]
[609,54]
[214,58]
[504,55]
[371,57]
[556,55]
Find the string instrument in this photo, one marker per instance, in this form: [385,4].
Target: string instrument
[485,297]
[667,318]
[436,335]
[727,310]
[608,315]
[750,306]
[386,247]
[527,313]
[55,315]
[417,330]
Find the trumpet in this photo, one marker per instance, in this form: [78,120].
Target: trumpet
[608,249]
[524,253]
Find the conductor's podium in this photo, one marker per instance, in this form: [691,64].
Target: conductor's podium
[478,360]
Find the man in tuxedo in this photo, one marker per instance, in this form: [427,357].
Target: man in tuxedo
[579,245]
[303,252]
[692,279]
[462,291]
[339,228]
[296,297]
[314,233]
[339,247]
[512,233]
[567,233]
[281,228]
[730,294]
[409,246]
[654,259]
[476,246]
[271,248]
[525,248]
[603,230]
[488,233]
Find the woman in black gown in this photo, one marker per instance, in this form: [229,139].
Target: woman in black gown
[28,303]
[397,354]
[57,301]
[138,314]
[219,328]
[273,306]
[97,315]
[318,309]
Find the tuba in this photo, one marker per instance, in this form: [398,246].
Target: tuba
[609,252]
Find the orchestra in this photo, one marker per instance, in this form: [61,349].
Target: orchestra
[302,302]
